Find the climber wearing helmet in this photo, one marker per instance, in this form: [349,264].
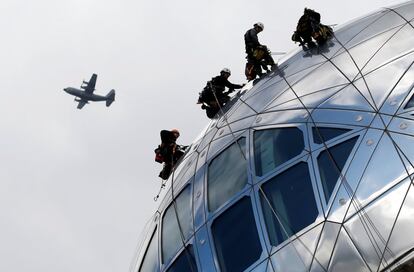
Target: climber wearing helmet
[214,95]
[258,55]
[168,152]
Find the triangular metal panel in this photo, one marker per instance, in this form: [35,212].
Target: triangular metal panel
[348,98]
[289,259]
[206,139]
[306,244]
[362,52]
[350,181]
[327,73]
[325,246]
[342,117]
[402,125]
[262,84]
[352,61]
[311,100]
[227,127]
[402,240]
[353,31]
[282,117]
[401,43]
[242,110]
[399,93]
[405,10]
[377,178]
[222,142]
[261,99]
[404,145]
[389,74]
[345,256]
[371,227]
[294,72]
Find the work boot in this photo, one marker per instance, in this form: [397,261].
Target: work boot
[311,44]
[165,172]
[274,67]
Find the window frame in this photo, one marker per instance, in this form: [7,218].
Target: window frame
[256,216]
[327,203]
[306,150]
[319,218]
[161,225]
[154,235]
[245,190]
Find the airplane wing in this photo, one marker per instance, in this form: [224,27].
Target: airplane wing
[91,84]
[82,103]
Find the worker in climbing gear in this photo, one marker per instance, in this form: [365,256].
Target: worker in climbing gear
[309,26]
[258,55]
[214,95]
[168,152]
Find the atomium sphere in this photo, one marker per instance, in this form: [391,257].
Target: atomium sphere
[309,169]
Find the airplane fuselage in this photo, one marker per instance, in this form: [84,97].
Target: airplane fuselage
[84,95]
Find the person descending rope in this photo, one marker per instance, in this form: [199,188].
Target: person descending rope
[309,26]
[258,55]
[168,152]
[214,96]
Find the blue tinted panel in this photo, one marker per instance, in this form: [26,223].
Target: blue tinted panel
[227,175]
[150,263]
[410,103]
[331,164]
[236,238]
[324,134]
[185,262]
[171,230]
[273,147]
[288,203]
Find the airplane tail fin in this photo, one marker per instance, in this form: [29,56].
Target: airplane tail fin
[110,97]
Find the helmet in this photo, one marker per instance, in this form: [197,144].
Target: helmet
[174,130]
[225,70]
[259,24]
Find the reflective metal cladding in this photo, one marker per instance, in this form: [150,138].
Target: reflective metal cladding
[310,169]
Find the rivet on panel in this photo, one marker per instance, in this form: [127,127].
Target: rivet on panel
[342,201]
[306,115]
[202,241]
[359,118]
[403,125]
[370,142]
[258,119]
[221,132]
[203,153]
[393,103]
[198,194]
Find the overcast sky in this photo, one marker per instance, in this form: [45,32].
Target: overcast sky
[77,186]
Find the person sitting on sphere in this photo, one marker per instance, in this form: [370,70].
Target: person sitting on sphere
[258,55]
[214,95]
[168,152]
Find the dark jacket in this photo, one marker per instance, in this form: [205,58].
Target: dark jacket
[251,40]
[309,20]
[220,82]
[167,137]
